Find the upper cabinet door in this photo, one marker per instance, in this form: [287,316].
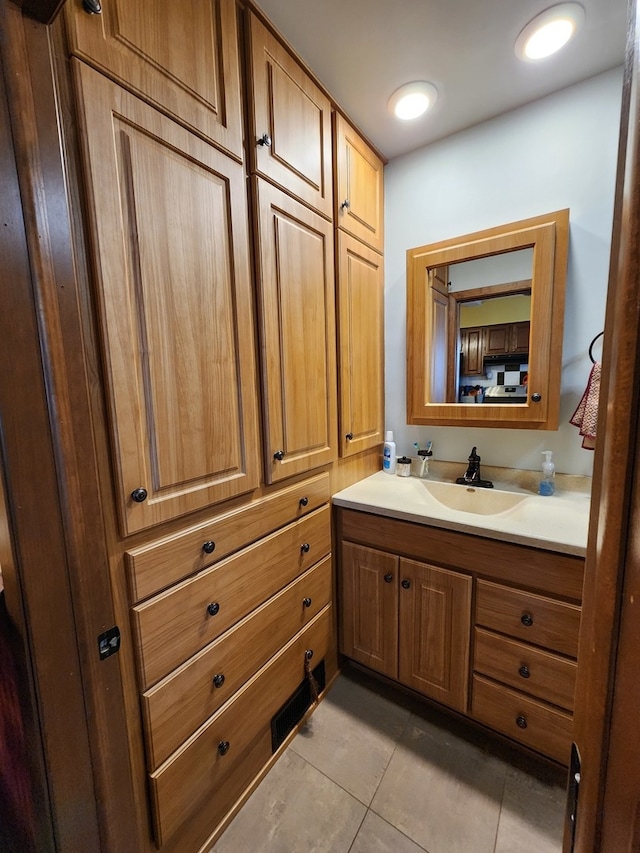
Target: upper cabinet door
[359,187]
[296,295]
[169,223]
[361,345]
[181,57]
[290,123]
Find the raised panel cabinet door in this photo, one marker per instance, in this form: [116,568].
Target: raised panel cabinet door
[290,122]
[296,295]
[361,345]
[472,352]
[359,187]
[497,339]
[520,337]
[369,607]
[169,226]
[435,628]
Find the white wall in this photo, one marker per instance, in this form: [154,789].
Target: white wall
[557,152]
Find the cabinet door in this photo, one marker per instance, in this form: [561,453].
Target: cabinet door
[297,317]
[520,337]
[369,614]
[497,339]
[442,327]
[181,57]
[435,625]
[472,352]
[359,187]
[290,119]
[171,260]
[361,345]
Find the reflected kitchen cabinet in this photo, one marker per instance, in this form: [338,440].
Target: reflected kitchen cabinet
[471,352]
[507,338]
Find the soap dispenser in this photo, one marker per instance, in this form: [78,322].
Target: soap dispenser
[547,483]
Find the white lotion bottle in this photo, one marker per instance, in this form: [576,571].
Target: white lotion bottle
[547,483]
[389,453]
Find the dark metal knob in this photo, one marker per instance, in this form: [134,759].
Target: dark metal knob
[279,455]
[535,398]
[304,501]
[139,495]
[209,547]
[349,436]
[306,602]
[521,722]
[305,548]
[405,584]
[223,747]
[345,204]
[218,680]
[308,654]
[93,7]
[213,608]
[265,140]
[524,671]
[527,619]
[388,578]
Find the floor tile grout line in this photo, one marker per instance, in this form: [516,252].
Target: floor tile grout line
[355,837]
[504,788]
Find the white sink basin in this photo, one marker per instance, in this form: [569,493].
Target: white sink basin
[470,499]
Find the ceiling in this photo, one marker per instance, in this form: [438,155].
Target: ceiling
[362,51]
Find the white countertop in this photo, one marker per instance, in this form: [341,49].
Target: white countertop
[556,523]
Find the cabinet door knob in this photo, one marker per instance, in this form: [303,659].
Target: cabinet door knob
[265,140]
[535,398]
[305,548]
[223,747]
[306,602]
[521,722]
[213,608]
[345,204]
[308,654]
[349,436]
[405,584]
[279,455]
[139,495]
[524,671]
[93,7]
[527,620]
[218,680]
[209,547]
[304,501]
[388,578]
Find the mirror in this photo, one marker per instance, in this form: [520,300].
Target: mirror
[485,316]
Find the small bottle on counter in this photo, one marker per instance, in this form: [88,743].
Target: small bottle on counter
[389,453]
[547,483]
[403,466]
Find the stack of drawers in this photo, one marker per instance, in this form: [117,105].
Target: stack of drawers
[525,649]
[223,647]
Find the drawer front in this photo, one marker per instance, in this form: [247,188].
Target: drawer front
[197,770]
[532,618]
[539,673]
[182,701]
[176,624]
[153,567]
[542,728]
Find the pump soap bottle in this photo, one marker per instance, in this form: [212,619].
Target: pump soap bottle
[547,483]
[389,453]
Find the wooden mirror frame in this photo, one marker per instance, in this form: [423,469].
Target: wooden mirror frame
[548,235]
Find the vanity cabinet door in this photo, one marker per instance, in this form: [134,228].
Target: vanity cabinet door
[435,628]
[369,602]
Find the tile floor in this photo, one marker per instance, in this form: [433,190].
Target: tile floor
[375,772]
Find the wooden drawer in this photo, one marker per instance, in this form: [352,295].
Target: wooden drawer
[546,729]
[153,567]
[198,769]
[539,673]
[553,624]
[182,701]
[176,624]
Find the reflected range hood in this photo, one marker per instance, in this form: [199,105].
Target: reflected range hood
[507,358]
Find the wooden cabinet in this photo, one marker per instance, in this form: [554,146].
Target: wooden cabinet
[169,217]
[296,297]
[290,122]
[184,61]
[471,351]
[506,338]
[359,186]
[360,295]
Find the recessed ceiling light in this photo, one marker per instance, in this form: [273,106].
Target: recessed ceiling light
[412,100]
[549,31]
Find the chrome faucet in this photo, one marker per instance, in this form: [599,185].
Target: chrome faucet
[472,476]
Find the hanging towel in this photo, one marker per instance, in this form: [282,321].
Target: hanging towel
[585,416]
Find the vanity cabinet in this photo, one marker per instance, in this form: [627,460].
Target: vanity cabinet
[508,661]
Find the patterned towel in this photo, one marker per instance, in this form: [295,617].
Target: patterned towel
[585,416]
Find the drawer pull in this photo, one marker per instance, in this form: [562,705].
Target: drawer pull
[209,547]
[406,584]
[223,747]
[524,671]
[304,501]
[306,602]
[388,578]
[527,620]
[521,722]
[213,608]
[218,680]
[305,548]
